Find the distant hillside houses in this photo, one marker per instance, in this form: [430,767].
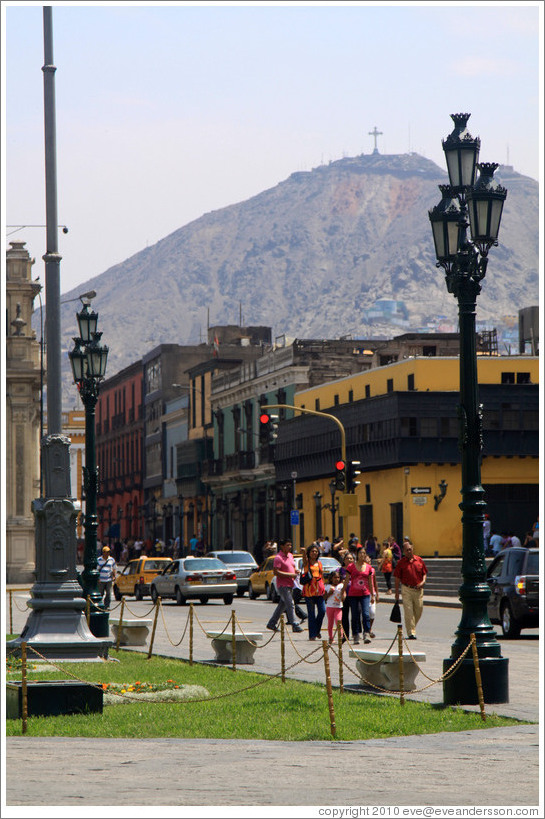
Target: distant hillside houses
[389,310]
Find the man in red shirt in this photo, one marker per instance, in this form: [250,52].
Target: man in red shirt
[410,573]
[284,571]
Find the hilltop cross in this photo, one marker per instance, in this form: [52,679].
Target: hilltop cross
[375,134]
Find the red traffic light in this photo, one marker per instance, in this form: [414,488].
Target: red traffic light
[339,465]
[264,418]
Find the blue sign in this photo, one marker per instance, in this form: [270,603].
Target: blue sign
[294,517]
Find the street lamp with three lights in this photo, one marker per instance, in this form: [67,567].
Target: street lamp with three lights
[474,203]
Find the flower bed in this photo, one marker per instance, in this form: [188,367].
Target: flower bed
[125,693]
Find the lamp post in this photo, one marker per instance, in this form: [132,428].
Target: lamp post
[129,519]
[477,204]
[318,513]
[181,524]
[332,489]
[109,508]
[88,360]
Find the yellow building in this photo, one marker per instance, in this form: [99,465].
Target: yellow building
[401,424]
[73,426]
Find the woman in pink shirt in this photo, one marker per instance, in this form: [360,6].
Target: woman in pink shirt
[360,593]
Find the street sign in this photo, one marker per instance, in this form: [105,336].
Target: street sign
[348,505]
[420,490]
[294,517]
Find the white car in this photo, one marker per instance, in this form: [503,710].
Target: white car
[202,578]
[242,563]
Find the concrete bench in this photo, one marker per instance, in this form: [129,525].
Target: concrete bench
[222,643]
[386,673]
[133,632]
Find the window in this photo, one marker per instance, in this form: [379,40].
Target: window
[449,427]
[508,378]
[491,419]
[317,404]
[496,568]
[408,427]
[523,378]
[410,381]
[530,419]
[390,385]
[428,427]
[368,493]
[336,400]
[429,350]
[367,391]
[350,396]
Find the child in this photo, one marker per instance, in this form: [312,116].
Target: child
[335,593]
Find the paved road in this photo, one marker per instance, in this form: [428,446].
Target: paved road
[492,767]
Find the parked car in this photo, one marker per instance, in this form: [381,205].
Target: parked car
[260,580]
[202,578]
[513,577]
[242,563]
[328,564]
[137,575]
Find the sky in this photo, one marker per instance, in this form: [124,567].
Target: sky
[165,112]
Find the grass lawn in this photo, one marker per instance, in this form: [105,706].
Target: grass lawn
[291,711]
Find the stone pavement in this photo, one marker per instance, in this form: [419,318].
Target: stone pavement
[498,766]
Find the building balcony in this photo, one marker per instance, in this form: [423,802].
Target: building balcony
[240,460]
[212,468]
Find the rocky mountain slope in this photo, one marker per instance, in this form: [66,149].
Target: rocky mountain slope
[307,257]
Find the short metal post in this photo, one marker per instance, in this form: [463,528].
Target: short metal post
[88,609]
[120,626]
[329,688]
[478,675]
[340,647]
[24,692]
[191,634]
[401,668]
[282,649]
[157,604]
[233,641]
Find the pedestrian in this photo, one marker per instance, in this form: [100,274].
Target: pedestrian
[374,597]
[347,558]
[360,595]
[529,541]
[312,581]
[326,545]
[371,546]
[496,542]
[486,534]
[335,593]
[396,551]
[337,549]
[386,566]
[515,540]
[410,574]
[107,574]
[285,573]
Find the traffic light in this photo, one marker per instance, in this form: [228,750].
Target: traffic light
[340,476]
[264,428]
[268,428]
[352,471]
[274,427]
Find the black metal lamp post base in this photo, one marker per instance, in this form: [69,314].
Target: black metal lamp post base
[461,688]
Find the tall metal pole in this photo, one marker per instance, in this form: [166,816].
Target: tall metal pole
[56,625]
[51,257]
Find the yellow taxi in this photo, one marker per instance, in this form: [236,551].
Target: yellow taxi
[137,575]
[261,580]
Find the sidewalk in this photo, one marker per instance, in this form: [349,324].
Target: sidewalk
[497,766]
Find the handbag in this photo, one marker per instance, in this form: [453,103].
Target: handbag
[305,579]
[395,616]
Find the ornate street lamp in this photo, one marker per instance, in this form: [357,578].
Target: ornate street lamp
[88,360]
[181,524]
[477,205]
[332,490]
[318,513]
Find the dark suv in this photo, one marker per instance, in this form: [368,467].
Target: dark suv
[513,577]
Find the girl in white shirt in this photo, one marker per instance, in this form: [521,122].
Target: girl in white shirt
[334,594]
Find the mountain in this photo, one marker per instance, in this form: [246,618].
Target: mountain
[307,257]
